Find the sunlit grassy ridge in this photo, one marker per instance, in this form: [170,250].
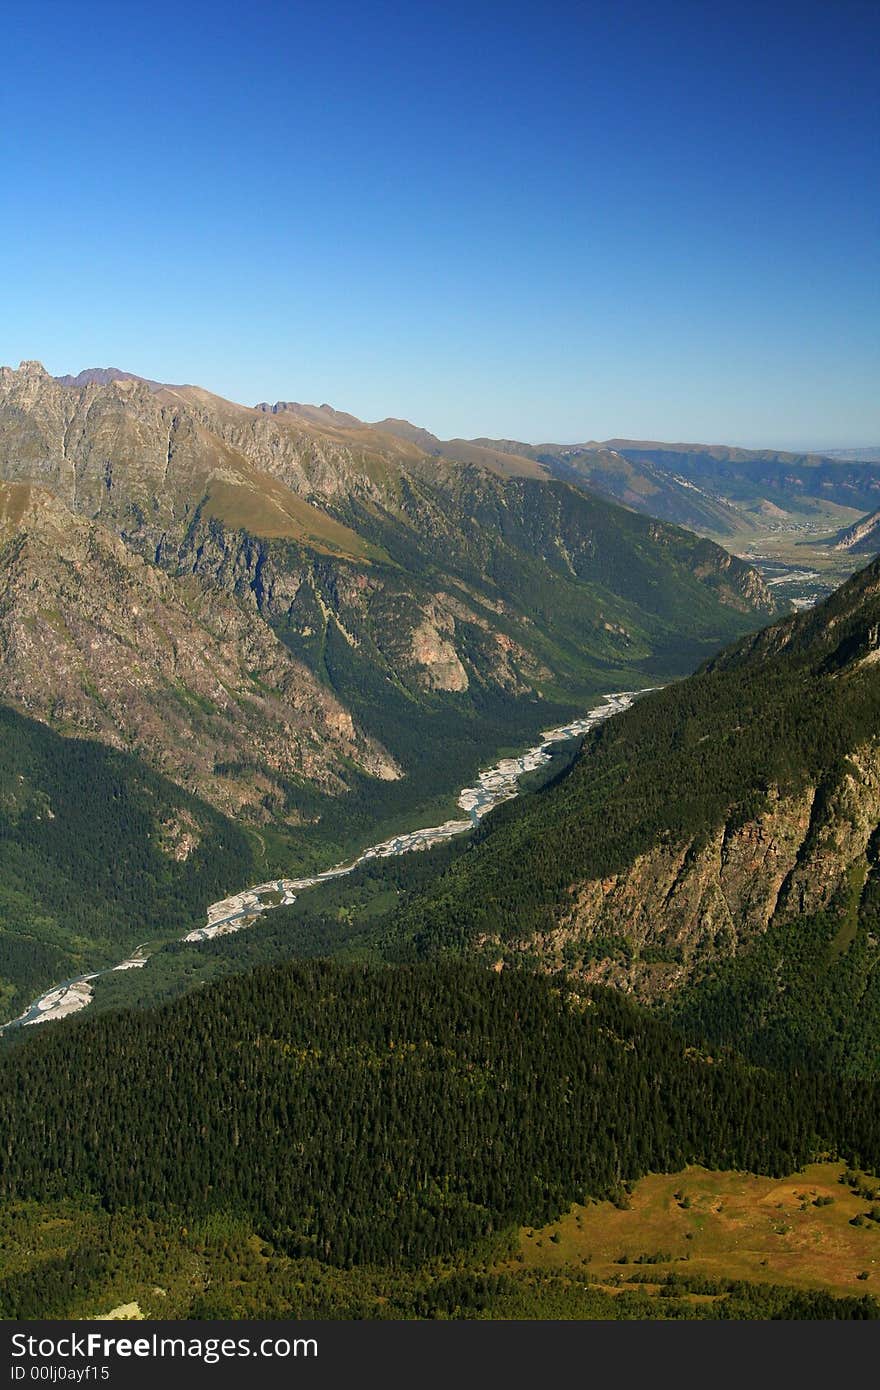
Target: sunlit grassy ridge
[808,1229]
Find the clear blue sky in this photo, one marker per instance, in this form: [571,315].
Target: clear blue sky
[558,221]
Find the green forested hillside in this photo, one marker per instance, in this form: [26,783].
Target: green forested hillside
[804,996]
[779,715]
[769,711]
[391,1117]
[96,853]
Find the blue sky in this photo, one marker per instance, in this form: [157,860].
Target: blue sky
[547,222]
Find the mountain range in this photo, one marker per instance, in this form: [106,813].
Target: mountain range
[241,642]
[716,490]
[312,626]
[320,585]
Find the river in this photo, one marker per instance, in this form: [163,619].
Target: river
[493,786]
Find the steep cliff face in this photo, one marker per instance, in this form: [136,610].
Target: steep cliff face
[678,910]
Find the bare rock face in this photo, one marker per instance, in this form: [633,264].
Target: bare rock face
[843,823]
[98,642]
[678,908]
[435,654]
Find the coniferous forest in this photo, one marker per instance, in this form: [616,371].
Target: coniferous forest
[374,1117]
[87,867]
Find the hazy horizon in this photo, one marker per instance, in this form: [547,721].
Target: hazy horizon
[584,438]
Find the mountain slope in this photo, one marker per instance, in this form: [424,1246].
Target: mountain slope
[97,853]
[98,642]
[739,806]
[862,538]
[730,494]
[410,587]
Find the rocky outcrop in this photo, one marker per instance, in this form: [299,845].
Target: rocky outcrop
[863,537]
[838,844]
[434,653]
[675,910]
[96,641]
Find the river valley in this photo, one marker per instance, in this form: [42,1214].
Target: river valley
[493,786]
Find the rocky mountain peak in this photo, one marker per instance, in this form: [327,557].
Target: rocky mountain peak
[319,414]
[26,368]
[103,376]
